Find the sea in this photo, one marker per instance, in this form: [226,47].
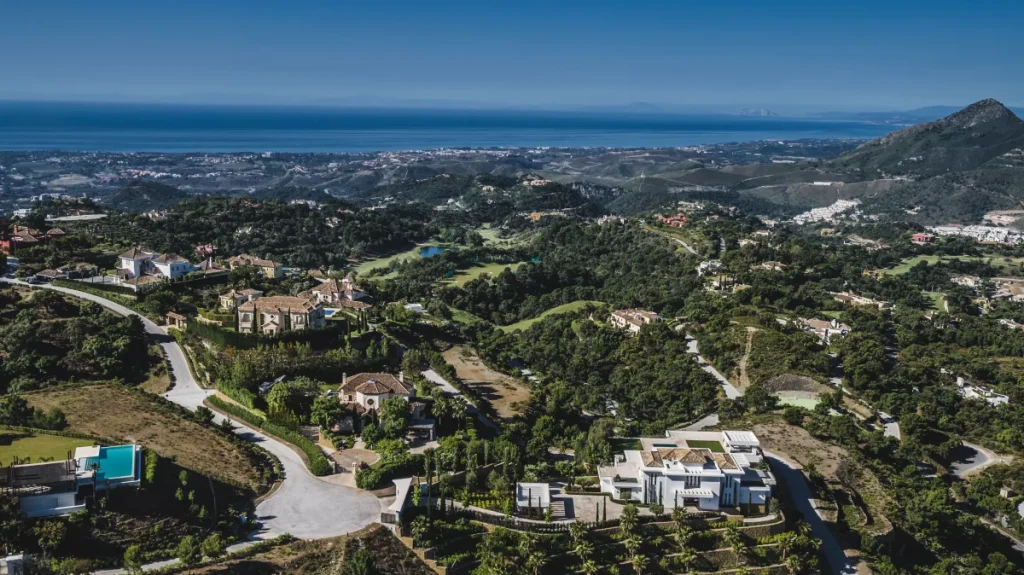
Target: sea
[104,127]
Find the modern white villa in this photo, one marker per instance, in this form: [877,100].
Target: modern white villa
[708,470]
[62,487]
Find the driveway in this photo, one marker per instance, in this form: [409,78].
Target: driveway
[435,378]
[304,505]
[730,391]
[800,495]
[970,458]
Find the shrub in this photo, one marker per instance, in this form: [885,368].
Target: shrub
[150,461]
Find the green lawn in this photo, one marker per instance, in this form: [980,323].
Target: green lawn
[494,269]
[938,300]
[831,313]
[363,269]
[806,403]
[565,308]
[34,448]
[714,446]
[995,261]
[620,444]
[464,316]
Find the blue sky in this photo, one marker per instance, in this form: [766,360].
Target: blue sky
[796,55]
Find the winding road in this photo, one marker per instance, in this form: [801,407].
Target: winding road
[304,506]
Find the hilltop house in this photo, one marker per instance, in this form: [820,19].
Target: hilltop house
[922,238]
[58,488]
[673,221]
[824,329]
[969,390]
[709,266]
[231,300]
[268,268]
[709,470]
[368,390]
[277,314]
[633,319]
[333,291]
[141,261]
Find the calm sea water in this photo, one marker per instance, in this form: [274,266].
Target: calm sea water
[166,128]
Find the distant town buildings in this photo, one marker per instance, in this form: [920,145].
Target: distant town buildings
[826,214]
[981,234]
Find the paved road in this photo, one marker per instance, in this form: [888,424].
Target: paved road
[800,493]
[304,505]
[971,458]
[434,377]
[730,391]
[702,423]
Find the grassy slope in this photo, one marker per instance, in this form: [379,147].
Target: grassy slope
[564,308]
[33,448]
[467,275]
[995,261]
[119,414]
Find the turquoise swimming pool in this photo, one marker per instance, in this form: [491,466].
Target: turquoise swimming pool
[114,463]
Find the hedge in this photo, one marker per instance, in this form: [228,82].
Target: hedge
[96,288]
[377,475]
[318,463]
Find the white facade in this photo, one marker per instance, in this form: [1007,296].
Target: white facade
[707,470]
[173,269]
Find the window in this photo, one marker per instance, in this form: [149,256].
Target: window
[369,401]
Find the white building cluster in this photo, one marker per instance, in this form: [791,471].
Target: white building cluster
[983,234]
[826,214]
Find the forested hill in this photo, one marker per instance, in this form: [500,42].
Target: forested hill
[962,141]
[145,195]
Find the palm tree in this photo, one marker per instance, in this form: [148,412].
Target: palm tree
[632,544]
[628,520]
[584,550]
[687,557]
[683,535]
[786,542]
[577,531]
[535,559]
[679,517]
[639,563]
[589,567]
[733,538]
[795,564]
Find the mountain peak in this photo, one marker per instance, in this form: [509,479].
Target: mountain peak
[981,111]
[961,141]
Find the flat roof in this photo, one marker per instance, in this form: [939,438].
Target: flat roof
[741,438]
[402,486]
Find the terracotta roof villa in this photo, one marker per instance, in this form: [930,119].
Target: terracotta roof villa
[368,390]
[633,319]
[269,268]
[272,315]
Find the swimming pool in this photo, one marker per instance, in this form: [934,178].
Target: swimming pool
[114,463]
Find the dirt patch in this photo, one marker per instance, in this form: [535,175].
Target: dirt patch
[508,396]
[744,381]
[800,383]
[123,415]
[798,446]
[855,488]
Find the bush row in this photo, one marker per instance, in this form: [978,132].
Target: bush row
[318,463]
[378,475]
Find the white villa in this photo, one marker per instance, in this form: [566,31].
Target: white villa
[708,470]
[969,390]
[368,390]
[137,262]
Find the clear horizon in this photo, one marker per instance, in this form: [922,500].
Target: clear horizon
[791,58]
